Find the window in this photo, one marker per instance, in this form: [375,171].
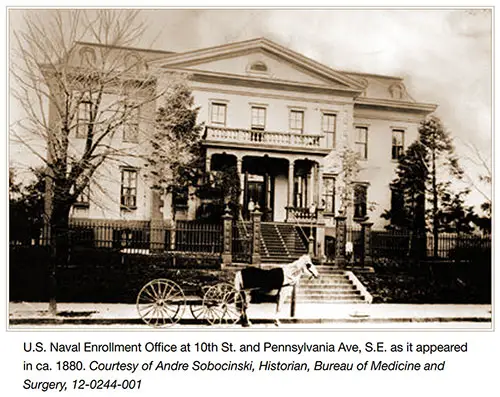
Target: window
[218,113]
[360,200]
[397,144]
[258,66]
[258,118]
[361,143]
[129,188]
[83,199]
[83,119]
[328,127]
[131,127]
[328,199]
[297,121]
[180,198]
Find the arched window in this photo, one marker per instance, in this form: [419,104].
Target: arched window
[134,63]
[258,66]
[87,56]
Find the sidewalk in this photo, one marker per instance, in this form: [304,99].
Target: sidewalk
[29,313]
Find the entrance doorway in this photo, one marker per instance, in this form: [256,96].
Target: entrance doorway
[259,189]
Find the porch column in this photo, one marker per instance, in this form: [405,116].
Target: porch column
[310,187]
[208,161]
[291,173]
[239,168]
[319,185]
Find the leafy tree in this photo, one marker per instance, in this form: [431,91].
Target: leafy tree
[439,146]
[424,175]
[454,216]
[409,190]
[222,189]
[175,162]
[349,170]
[26,208]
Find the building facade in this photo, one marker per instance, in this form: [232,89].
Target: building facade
[284,121]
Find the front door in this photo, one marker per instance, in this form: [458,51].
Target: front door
[259,189]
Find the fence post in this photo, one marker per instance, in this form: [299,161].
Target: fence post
[340,235]
[157,230]
[227,224]
[256,219]
[366,228]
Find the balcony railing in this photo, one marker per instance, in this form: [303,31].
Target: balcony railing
[287,139]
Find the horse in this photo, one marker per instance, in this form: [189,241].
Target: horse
[254,279]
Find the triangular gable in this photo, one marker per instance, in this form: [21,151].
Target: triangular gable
[264,59]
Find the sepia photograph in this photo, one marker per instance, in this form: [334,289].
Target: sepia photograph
[228,169]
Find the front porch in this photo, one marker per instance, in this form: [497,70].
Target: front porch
[285,189]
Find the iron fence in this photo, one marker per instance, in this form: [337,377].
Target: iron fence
[398,245]
[137,237]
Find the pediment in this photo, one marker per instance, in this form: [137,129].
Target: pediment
[261,59]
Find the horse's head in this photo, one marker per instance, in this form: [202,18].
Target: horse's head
[309,266]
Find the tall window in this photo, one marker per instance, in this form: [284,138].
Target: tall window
[83,199]
[218,115]
[84,112]
[397,144]
[258,118]
[328,199]
[131,128]
[328,127]
[360,200]
[297,121]
[129,188]
[361,143]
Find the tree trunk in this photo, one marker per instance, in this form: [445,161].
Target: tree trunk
[59,243]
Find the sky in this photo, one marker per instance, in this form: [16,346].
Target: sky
[444,55]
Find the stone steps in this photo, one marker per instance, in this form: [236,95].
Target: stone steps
[333,286]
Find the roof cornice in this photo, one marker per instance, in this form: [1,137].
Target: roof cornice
[204,74]
[395,105]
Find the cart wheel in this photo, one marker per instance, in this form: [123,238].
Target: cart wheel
[222,304]
[198,311]
[161,302]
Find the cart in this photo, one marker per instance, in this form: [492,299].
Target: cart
[162,302]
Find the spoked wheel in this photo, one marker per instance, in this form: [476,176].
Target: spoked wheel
[161,303]
[223,304]
[198,311]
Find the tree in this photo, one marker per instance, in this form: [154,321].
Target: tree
[349,170]
[409,190]
[424,175]
[26,208]
[439,146]
[65,92]
[175,162]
